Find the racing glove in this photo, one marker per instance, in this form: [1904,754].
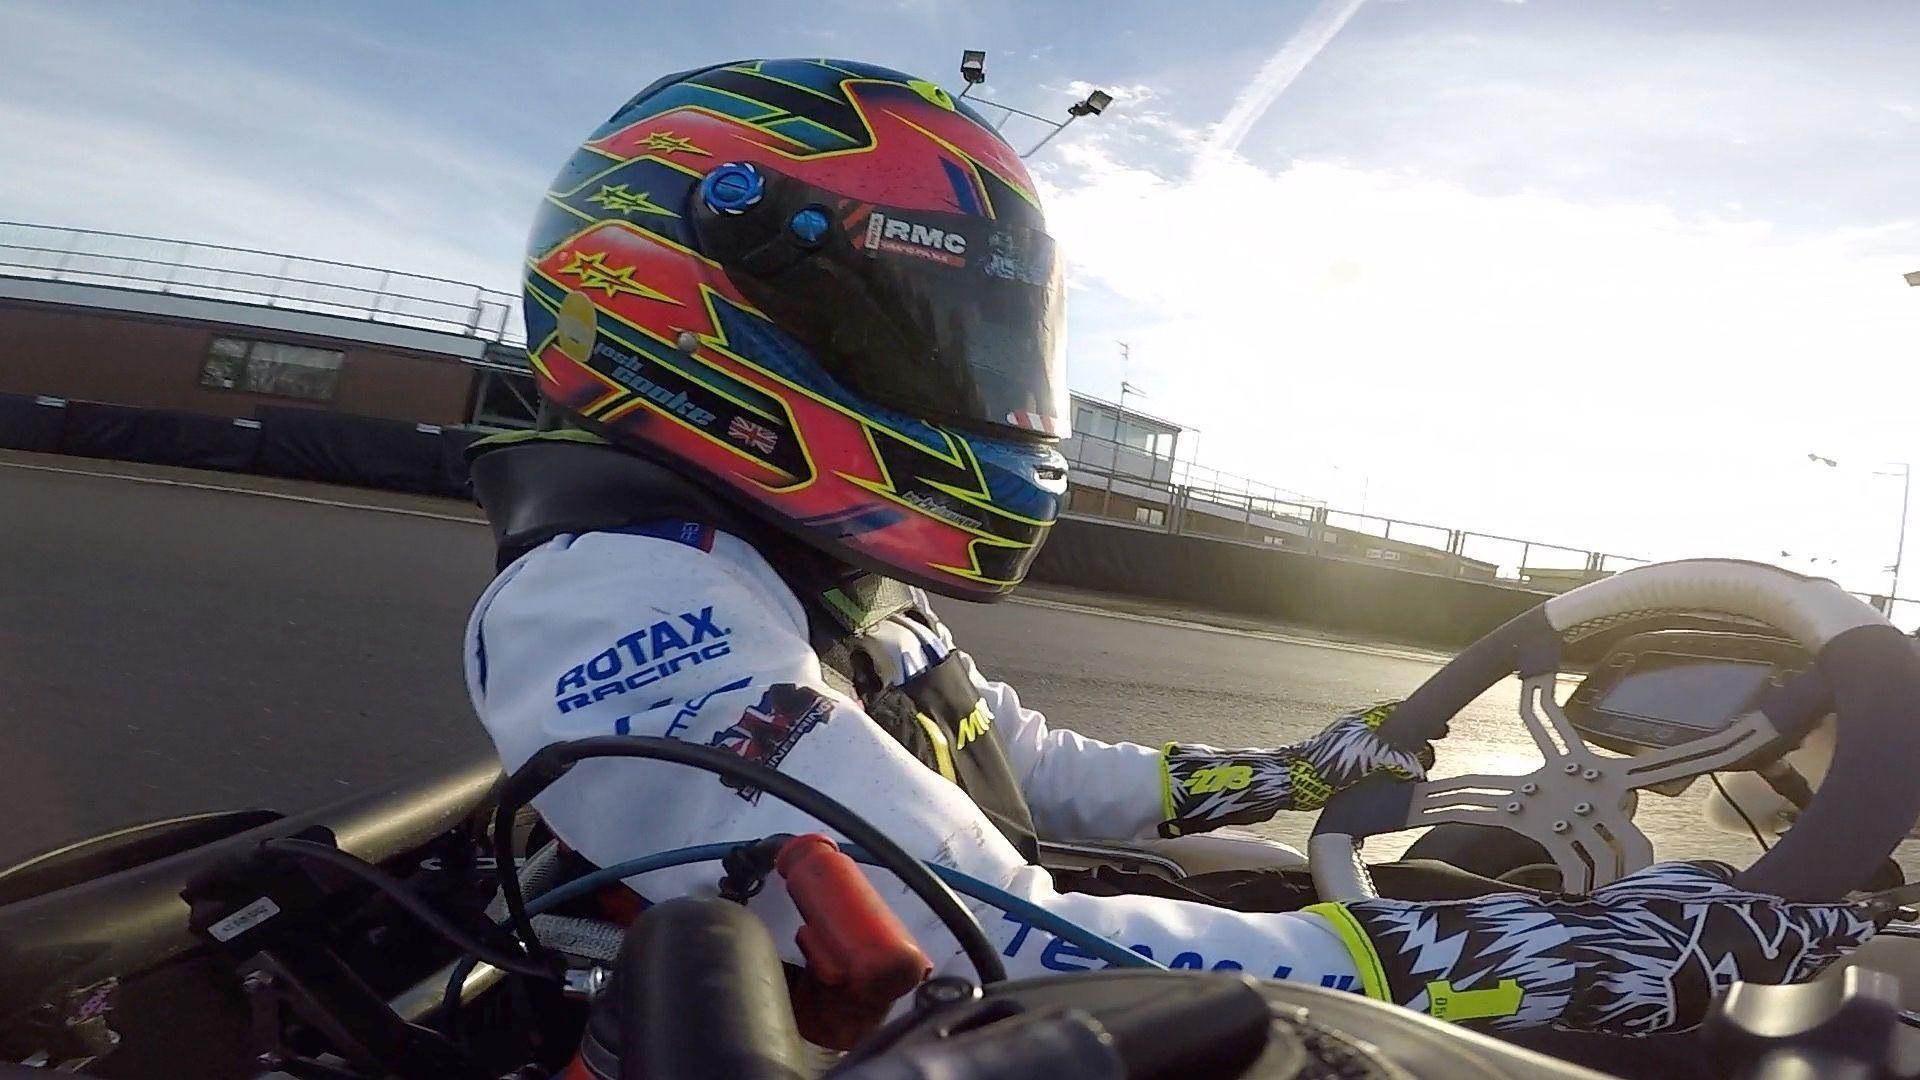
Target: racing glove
[1644,955]
[1206,788]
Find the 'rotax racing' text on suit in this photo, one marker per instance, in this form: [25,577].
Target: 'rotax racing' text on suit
[674,627]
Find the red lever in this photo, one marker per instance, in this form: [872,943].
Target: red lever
[856,948]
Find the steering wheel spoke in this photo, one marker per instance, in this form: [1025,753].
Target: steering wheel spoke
[1741,739]
[1554,734]
[1476,792]
[1577,804]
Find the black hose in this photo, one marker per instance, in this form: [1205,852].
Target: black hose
[553,762]
[397,891]
[1738,809]
[456,987]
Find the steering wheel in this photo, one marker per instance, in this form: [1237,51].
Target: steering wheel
[1578,804]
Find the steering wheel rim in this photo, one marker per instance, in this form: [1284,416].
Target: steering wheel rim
[1866,672]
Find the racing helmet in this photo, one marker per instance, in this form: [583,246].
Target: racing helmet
[824,290]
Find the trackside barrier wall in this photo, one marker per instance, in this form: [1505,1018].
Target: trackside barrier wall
[303,444]
[159,437]
[1265,582]
[28,423]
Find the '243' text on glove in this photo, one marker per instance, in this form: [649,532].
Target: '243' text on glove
[1206,788]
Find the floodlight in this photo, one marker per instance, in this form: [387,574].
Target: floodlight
[1094,104]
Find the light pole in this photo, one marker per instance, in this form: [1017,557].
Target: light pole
[1120,423]
[1093,104]
[973,69]
[1366,487]
[1906,495]
[1900,544]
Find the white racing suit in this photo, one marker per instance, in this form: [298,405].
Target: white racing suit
[682,631]
[693,635]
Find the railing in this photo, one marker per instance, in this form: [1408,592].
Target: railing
[1200,501]
[1188,474]
[1087,452]
[270,279]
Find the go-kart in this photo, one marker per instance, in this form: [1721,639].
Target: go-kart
[435,929]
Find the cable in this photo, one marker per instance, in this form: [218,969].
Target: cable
[553,761]
[595,879]
[1066,930]
[966,884]
[397,891]
[1030,912]
[1751,827]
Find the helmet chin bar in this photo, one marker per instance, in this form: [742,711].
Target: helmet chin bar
[1578,804]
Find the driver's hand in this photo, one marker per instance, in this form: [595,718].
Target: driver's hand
[1682,933]
[1207,788]
[1644,955]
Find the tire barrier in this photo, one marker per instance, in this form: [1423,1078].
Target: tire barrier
[159,437]
[30,423]
[306,444]
[301,444]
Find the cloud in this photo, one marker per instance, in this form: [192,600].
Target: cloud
[168,136]
[1611,373]
[1801,123]
[1278,73]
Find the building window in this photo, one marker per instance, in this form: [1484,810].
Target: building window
[1093,423]
[1150,440]
[270,367]
[1149,515]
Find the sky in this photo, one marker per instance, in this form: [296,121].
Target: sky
[1596,274]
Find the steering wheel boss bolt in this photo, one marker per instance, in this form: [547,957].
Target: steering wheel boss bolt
[1583,809]
[1561,826]
[1529,788]
[1569,768]
[1513,808]
[1589,774]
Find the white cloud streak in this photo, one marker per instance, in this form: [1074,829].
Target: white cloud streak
[1278,73]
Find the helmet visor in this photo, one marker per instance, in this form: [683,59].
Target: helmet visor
[941,316]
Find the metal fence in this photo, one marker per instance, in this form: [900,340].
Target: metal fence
[271,279]
[1199,499]
[1190,475]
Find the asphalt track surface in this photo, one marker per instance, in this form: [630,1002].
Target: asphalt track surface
[166,650]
